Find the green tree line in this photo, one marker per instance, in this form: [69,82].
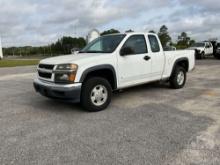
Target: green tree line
[65,44]
[183,40]
[61,46]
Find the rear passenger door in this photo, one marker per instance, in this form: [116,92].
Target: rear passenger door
[157,56]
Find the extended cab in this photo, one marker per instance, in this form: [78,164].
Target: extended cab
[111,63]
[203,49]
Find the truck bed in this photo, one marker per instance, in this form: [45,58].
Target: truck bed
[172,56]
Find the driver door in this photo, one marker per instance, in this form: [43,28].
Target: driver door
[134,62]
[210,48]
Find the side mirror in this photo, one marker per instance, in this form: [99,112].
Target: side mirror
[126,51]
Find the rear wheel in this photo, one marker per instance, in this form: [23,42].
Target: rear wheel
[197,54]
[96,94]
[178,78]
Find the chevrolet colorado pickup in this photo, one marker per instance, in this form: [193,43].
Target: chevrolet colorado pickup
[111,63]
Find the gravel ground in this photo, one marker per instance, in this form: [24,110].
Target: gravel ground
[150,124]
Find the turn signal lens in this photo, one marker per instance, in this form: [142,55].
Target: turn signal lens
[72,77]
[73,66]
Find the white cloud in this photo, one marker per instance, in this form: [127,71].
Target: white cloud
[40,22]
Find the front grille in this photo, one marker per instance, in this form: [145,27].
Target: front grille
[45,75]
[45,66]
[45,71]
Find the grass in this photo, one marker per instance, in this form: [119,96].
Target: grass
[14,63]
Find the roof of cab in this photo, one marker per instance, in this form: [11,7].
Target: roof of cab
[131,33]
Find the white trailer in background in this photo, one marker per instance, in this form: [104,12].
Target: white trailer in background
[1,54]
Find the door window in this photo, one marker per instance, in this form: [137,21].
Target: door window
[136,45]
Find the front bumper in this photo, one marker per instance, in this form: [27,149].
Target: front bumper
[66,92]
[218,51]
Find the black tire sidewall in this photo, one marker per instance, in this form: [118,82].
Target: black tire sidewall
[86,91]
[202,55]
[198,56]
[217,56]
[173,80]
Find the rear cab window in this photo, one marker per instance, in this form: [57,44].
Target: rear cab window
[154,43]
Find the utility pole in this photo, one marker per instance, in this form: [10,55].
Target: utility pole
[50,51]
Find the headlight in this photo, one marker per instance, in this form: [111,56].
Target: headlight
[67,67]
[65,73]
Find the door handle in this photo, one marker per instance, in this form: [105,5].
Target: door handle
[147,58]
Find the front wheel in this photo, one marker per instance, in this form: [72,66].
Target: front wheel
[200,56]
[217,56]
[96,94]
[203,55]
[178,78]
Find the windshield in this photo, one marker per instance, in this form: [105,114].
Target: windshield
[199,44]
[104,44]
[218,45]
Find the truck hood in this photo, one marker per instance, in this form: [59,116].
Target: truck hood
[65,59]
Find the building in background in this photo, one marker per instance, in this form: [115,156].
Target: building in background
[1,53]
[93,34]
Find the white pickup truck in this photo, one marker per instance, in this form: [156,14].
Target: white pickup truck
[202,49]
[110,63]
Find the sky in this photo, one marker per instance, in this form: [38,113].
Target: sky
[40,22]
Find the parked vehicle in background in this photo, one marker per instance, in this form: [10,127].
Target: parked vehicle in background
[169,48]
[1,53]
[203,49]
[110,63]
[217,53]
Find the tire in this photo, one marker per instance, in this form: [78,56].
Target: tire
[198,56]
[202,55]
[217,56]
[96,94]
[178,78]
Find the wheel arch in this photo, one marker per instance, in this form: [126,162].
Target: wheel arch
[184,62]
[106,71]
